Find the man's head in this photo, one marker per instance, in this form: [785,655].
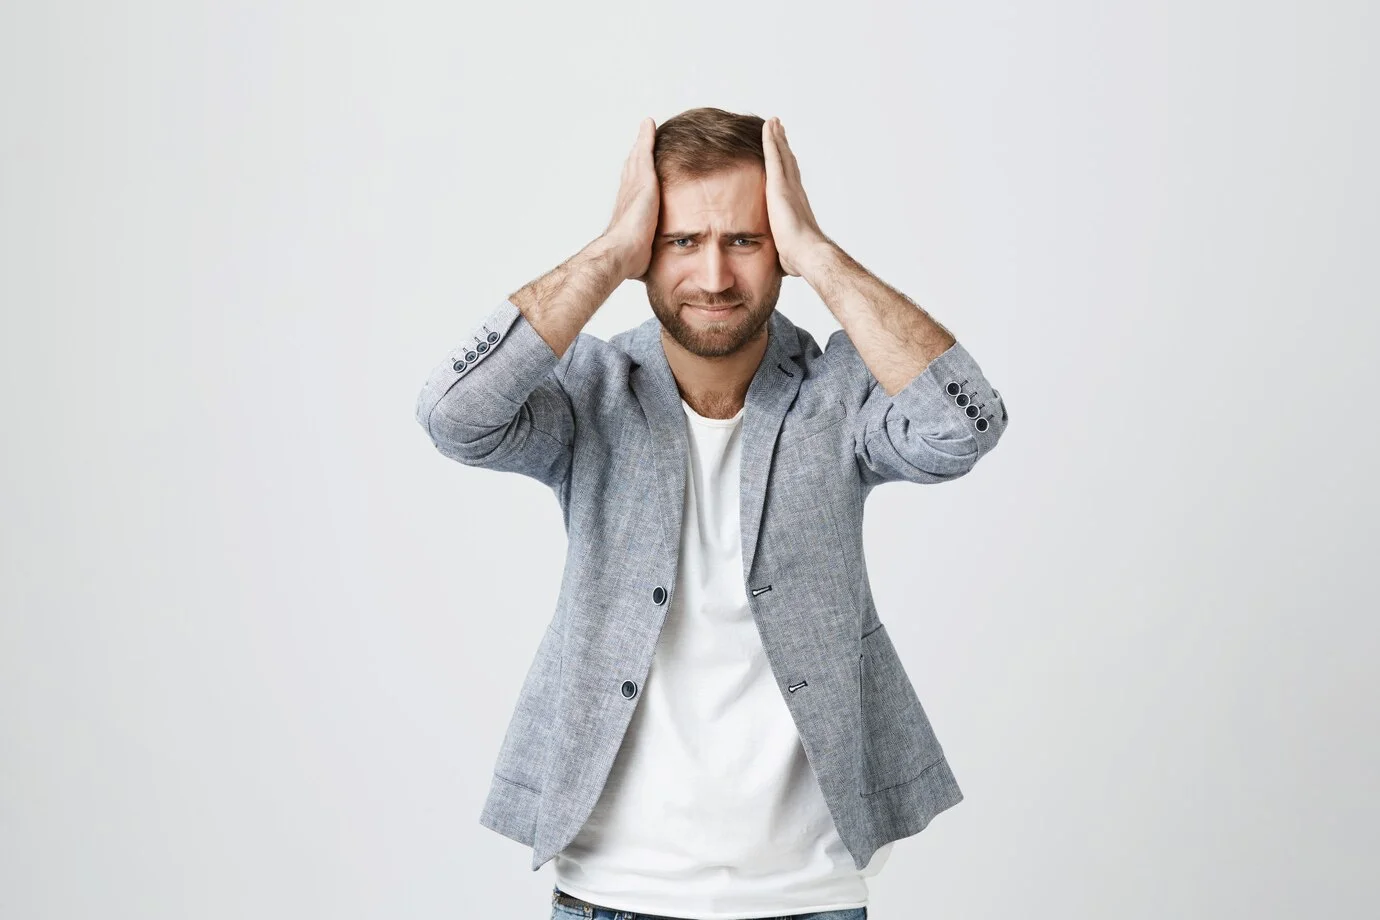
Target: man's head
[713,244]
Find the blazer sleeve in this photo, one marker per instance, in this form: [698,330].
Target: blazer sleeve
[498,401]
[934,429]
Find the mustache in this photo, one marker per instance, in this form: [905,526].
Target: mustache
[719,301]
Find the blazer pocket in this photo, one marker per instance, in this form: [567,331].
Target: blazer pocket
[827,416]
[530,737]
[897,742]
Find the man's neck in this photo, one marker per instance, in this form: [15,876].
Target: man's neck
[715,387]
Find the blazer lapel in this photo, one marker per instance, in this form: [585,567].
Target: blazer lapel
[656,389]
[769,396]
[771,393]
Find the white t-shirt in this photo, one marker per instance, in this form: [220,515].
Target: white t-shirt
[711,809]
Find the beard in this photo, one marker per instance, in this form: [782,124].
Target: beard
[715,338]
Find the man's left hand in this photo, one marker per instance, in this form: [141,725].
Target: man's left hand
[793,227]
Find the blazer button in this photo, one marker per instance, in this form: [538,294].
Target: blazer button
[980,424]
[458,366]
[953,388]
[658,595]
[629,689]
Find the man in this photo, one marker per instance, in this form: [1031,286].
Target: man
[716,723]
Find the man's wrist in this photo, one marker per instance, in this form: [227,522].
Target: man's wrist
[613,250]
[819,260]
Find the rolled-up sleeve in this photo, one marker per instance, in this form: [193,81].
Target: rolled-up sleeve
[934,429]
[498,400]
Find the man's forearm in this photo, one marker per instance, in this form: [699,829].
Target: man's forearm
[895,338]
[560,302]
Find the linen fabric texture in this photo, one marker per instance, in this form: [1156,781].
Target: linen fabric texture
[603,427]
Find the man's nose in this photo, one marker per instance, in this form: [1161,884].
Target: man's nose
[714,271]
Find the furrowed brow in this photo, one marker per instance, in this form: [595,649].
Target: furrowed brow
[733,234]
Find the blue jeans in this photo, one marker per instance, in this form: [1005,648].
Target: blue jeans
[568,907]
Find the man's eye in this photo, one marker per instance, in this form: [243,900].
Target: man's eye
[685,239]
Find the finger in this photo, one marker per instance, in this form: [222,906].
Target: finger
[782,151]
[788,155]
[641,159]
[769,151]
[630,164]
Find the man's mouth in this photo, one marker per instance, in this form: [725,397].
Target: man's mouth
[714,311]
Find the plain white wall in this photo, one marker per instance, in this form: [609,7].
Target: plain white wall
[260,641]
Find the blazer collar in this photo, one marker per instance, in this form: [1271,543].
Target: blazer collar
[770,394]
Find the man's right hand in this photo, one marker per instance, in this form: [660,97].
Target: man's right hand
[560,302]
[632,229]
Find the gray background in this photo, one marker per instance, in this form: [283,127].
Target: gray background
[260,641]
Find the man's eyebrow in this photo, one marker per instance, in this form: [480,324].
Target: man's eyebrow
[682,235]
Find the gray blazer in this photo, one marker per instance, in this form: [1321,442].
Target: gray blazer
[604,428]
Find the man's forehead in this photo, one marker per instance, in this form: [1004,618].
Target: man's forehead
[728,200]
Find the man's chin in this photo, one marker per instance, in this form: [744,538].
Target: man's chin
[711,340]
